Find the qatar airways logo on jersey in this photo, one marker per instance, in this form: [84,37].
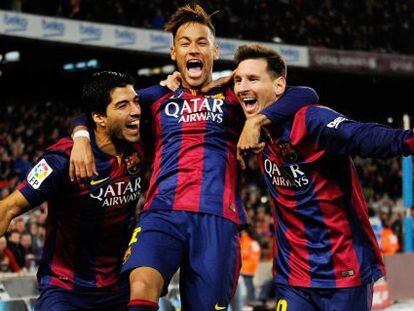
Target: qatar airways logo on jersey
[196,109]
[118,193]
[289,176]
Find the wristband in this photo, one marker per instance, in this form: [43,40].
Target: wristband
[82,133]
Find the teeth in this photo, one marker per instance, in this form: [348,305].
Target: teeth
[136,122]
[249,100]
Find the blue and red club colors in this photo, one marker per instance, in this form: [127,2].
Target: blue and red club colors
[323,235]
[195,167]
[88,227]
[195,138]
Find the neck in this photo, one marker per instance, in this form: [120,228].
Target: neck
[107,144]
[196,88]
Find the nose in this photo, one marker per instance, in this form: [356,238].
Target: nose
[242,86]
[194,50]
[135,110]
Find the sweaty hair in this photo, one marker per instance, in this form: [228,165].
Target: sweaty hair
[96,92]
[276,65]
[190,13]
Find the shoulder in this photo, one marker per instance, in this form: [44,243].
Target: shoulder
[62,148]
[317,113]
[153,93]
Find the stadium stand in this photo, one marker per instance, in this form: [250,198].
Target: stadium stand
[331,24]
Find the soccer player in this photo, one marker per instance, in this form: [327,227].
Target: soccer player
[88,227]
[326,255]
[193,210]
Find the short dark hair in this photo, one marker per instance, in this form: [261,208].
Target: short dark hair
[276,64]
[190,13]
[96,92]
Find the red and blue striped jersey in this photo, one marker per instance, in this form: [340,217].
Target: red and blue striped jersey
[195,138]
[88,227]
[195,167]
[322,231]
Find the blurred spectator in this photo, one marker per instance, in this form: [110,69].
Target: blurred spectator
[29,256]
[250,252]
[16,248]
[376,224]
[7,261]
[389,240]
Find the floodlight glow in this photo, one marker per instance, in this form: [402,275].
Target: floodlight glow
[168,69]
[80,65]
[13,56]
[93,63]
[144,72]
[68,66]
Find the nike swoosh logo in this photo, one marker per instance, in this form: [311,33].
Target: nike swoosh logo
[217,307]
[95,182]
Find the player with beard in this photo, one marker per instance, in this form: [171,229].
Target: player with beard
[326,254]
[88,227]
[193,210]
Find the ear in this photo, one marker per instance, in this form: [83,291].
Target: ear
[173,54]
[99,119]
[216,52]
[280,86]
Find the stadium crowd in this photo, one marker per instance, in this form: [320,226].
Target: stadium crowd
[21,145]
[382,26]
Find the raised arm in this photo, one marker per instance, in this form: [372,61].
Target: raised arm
[339,135]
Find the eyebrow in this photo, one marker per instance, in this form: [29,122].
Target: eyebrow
[189,39]
[126,101]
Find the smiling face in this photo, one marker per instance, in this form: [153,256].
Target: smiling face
[255,87]
[194,51]
[123,115]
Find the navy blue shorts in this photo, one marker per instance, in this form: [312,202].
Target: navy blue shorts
[60,299]
[204,247]
[289,298]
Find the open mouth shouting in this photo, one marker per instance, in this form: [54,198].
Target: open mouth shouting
[250,104]
[133,127]
[194,68]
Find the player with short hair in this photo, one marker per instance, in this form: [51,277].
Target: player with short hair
[88,226]
[193,210]
[326,255]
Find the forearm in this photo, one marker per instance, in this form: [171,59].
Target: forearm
[256,122]
[11,207]
[285,108]
[80,123]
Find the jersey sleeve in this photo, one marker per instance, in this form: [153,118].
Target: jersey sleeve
[151,94]
[47,178]
[334,133]
[295,98]
[80,120]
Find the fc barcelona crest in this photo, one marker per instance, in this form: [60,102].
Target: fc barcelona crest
[133,164]
[288,153]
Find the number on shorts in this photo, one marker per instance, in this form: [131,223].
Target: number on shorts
[282,305]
